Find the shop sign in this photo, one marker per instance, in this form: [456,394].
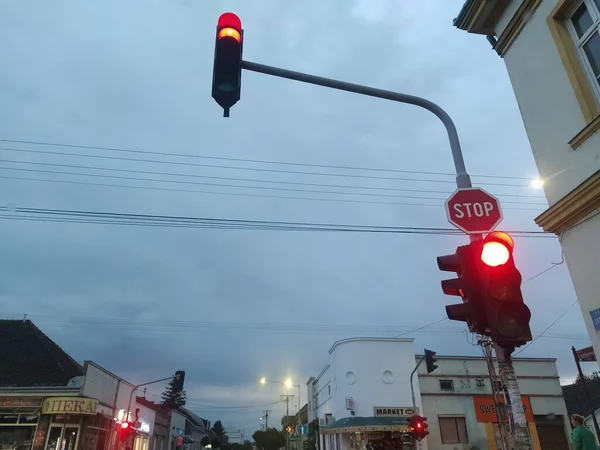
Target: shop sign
[70,405]
[485,410]
[586,354]
[18,402]
[144,427]
[394,411]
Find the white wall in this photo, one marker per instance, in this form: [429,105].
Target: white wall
[356,369]
[146,415]
[177,422]
[549,108]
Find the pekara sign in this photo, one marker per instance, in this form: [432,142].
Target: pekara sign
[70,405]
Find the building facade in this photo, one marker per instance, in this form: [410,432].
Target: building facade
[363,399]
[458,403]
[352,397]
[552,53]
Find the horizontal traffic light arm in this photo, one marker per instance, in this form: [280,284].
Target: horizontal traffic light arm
[463,180]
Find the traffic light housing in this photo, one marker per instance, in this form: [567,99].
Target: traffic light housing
[178,380]
[430,360]
[288,429]
[418,427]
[465,263]
[125,430]
[507,314]
[227,68]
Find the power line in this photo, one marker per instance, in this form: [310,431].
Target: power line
[111,218]
[549,326]
[257,161]
[254,169]
[238,194]
[198,183]
[253,180]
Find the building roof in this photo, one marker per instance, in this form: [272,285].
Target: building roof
[480,16]
[369,339]
[29,358]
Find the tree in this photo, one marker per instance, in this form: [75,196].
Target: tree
[218,429]
[172,399]
[205,441]
[270,439]
[594,376]
[215,443]
[310,443]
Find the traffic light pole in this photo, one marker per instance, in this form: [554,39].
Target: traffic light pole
[462,177]
[463,180]
[136,387]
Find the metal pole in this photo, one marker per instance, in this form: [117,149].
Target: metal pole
[287,421]
[135,388]
[462,177]
[514,404]
[412,388]
[587,392]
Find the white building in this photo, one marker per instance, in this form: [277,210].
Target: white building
[363,396]
[552,53]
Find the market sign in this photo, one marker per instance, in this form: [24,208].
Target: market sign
[394,411]
[70,405]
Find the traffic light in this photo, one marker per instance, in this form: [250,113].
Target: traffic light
[227,69]
[288,429]
[430,360]
[507,315]
[465,263]
[124,430]
[315,423]
[178,380]
[418,427]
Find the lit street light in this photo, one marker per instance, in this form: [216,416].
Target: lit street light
[287,383]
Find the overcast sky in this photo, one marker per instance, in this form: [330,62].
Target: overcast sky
[232,305]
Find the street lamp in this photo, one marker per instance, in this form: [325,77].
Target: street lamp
[287,383]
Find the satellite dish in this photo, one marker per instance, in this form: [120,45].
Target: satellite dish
[76,382]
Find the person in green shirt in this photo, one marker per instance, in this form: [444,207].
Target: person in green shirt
[582,437]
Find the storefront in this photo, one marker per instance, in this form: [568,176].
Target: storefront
[66,417]
[367,433]
[18,422]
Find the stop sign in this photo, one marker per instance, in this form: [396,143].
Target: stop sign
[473,210]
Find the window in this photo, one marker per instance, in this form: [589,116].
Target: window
[447,385]
[453,430]
[584,24]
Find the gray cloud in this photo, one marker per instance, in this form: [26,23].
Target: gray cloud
[137,75]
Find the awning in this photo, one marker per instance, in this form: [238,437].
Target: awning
[365,424]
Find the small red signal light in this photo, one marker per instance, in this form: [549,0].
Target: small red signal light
[124,425]
[229,19]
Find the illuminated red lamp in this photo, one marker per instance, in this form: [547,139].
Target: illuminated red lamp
[229,25]
[497,249]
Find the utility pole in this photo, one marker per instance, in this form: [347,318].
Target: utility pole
[267,411]
[496,383]
[286,398]
[514,405]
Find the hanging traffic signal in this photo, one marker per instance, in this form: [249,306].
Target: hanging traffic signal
[507,314]
[430,360]
[178,380]
[227,69]
[418,427]
[465,263]
[124,430]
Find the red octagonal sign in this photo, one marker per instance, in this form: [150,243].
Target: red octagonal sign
[473,210]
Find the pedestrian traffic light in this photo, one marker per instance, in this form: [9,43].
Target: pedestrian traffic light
[227,69]
[124,430]
[418,427]
[430,360]
[178,380]
[507,314]
[465,263]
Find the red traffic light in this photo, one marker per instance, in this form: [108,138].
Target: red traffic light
[229,25]
[497,249]
[229,19]
[124,425]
